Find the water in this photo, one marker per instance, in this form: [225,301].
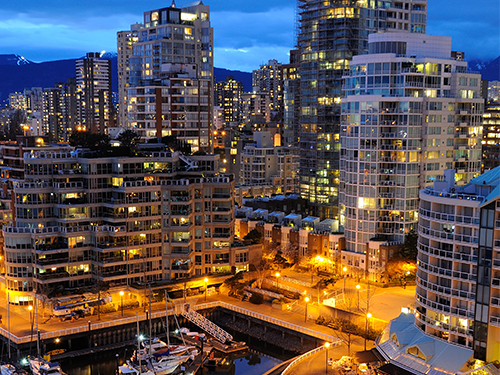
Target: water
[260,358]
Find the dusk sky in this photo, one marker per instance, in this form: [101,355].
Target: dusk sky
[246,33]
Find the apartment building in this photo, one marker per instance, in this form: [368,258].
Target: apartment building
[456,325]
[268,79]
[93,81]
[330,34]
[491,137]
[125,40]
[263,163]
[170,84]
[410,111]
[123,220]
[228,98]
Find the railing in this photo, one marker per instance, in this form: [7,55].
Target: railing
[304,356]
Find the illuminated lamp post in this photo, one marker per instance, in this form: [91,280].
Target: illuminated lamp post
[305,314]
[121,300]
[358,287]
[206,281]
[30,308]
[277,282]
[327,345]
[368,316]
[345,276]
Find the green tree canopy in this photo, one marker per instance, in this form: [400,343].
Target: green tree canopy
[129,138]
[409,250]
[94,141]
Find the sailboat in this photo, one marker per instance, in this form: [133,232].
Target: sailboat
[40,366]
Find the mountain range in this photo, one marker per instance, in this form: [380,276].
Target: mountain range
[18,73]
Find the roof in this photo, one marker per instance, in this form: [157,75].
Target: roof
[368,356]
[440,357]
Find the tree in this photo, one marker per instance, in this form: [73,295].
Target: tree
[254,237]
[97,288]
[93,141]
[129,138]
[409,249]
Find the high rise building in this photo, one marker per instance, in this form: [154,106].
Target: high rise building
[123,220]
[173,42]
[255,107]
[125,41]
[59,111]
[491,137]
[269,80]
[456,325]
[228,97]
[410,111]
[291,100]
[331,33]
[93,80]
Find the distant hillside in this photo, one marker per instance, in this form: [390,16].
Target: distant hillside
[246,78]
[490,70]
[17,73]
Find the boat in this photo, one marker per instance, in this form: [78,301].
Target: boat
[8,369]
[40,366]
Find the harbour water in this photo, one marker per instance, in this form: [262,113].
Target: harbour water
[255,361]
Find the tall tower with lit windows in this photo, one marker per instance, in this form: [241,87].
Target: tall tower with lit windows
[330,34]
[170,82]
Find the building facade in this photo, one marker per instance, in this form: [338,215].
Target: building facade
[269,79]
[410,111]
[122,220]
[125,41]
[93,81]
[457,296]
[228,98]
[173,37]
[331,33]
[491,137]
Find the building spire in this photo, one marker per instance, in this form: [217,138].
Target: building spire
[173,4]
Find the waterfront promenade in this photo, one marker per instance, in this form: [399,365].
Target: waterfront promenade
[385,304]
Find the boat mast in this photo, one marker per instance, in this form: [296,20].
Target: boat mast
[8,318]
[150,330]
[138,343]
[168,328]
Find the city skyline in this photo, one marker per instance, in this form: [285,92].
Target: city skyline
[49,32]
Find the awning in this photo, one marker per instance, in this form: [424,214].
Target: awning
[390,369]
[368,356]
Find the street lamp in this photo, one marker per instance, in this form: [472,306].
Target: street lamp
[305,315]
[358,287]
[206,281]
[345,276]
[121,300]
[30,308]
[368,316]
[327,345]
[277,282]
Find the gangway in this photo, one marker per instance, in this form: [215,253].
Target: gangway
[206,325]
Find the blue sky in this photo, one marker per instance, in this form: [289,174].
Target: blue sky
[246,33]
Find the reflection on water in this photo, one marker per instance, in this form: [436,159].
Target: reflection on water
[260,358]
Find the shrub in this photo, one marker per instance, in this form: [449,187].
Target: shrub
[257,299]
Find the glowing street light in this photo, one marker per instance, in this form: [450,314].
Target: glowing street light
[277,282]
[206,281]
[121,300]
[305,315]
[30,308]
[368,316]
[327,345]
[358,287]
[345,276]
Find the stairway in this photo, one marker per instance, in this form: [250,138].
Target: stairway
[207,325]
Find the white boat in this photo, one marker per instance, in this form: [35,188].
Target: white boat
[8,369]
[40,366]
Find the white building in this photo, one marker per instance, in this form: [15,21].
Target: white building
[410,112]
[264,163]
[456,326]
[172,37]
